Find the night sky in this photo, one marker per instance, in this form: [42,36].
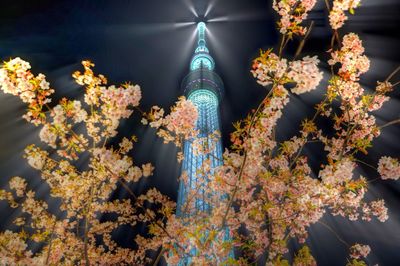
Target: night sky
[150,43]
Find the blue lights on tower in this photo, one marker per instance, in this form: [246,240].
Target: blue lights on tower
[204,88]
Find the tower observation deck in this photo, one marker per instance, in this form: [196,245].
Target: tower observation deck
[204,88]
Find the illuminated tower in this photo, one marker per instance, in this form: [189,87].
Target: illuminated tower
[203,87]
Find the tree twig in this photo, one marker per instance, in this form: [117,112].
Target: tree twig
[158,258]
[303,41]
[390,123]
[334,232]
[392,74]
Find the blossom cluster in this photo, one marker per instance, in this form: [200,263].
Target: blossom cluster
[359,251]
[19,185]
[337,15]
[292,13]
[350,56]
[270,69]
[182,119]
[341,172]
[177,126]
[305,74]
[64,115]
[375,208]
[115,102]
[108,104]
[389,168]
[12,244]
[355,126]
[17,79]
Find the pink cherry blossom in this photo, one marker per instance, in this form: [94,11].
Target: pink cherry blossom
[16,79]
[269,68]
[177,126]
[359,251]
[292,13]
[350,56]
[305,74]
[389,168]
[147,169]
[337,15]
[379,210]
[19,185]
[341,172]
[183,118]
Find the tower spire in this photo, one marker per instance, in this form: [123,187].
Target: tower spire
[201,57]
[201,31]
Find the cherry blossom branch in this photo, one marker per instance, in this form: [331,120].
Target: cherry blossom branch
[147,214]
[235,190]
[346,140]
[86,227]
[284,40]
[303,41]
[335,34]
[50,242]
[140,206]
[297,155]
[319,110]
[282,45]
[230,203]
[374,180]
[160,254]
[392,74]
[367,164]
[390,123]
[140,110]
[336,234]
[85,242]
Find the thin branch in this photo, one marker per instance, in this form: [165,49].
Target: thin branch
[85,245]
[390,123]
[364,163]
[328,5]
[157,260]
[336,234]
[303,41]
[86,228]
[392,74]
[281,45]
[395,84]
[373,180]
[335,35]
[51,241]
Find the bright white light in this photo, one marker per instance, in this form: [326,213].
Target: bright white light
[220,19]
[209,8]
[183,24]
[191,8]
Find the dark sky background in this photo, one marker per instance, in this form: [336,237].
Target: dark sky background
[149,43]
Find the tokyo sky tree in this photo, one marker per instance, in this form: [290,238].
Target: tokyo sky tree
[203,87]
